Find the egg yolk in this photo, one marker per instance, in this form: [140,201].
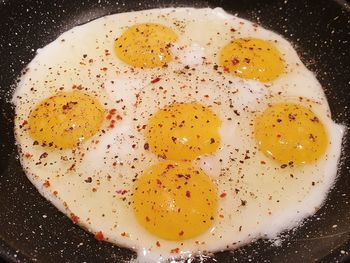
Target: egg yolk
[65,120]
[145,45]
[183,131]
[175,201]
[291,134]
[252,58]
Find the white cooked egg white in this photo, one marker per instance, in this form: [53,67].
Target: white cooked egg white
[93,182]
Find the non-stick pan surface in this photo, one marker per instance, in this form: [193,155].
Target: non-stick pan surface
[31,229]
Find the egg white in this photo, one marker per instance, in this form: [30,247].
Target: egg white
[94,182]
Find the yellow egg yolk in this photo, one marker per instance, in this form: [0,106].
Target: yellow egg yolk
[146,45]
[252,58]
[290,134]
[65,119]
[175,201]
[183,131]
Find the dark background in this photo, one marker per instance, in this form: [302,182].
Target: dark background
[31,229]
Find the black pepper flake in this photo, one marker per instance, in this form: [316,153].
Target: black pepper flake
[212,140]
[43,155]
[146,146]
[236,112]
[243,202]
[312,137]
[291,116]
[284,166]
[88,180]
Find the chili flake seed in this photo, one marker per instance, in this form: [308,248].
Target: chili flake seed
[175,251]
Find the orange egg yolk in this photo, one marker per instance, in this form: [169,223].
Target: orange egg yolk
[145,45]
[290,134]
[65,119]
[175,201]
[183,131]
[252,58]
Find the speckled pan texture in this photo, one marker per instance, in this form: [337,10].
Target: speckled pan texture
[32,230]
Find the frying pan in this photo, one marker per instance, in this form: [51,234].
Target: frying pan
[32,230]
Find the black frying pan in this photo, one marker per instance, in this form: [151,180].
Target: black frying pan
[31,229]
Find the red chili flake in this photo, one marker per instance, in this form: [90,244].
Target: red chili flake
[112,111]
[28,155]
[159,182]
[170,166]
[109,116]
[99,236]
[91,60]
[94,189]
[223,195]
[104,69]
[262,162]
[155,80]
[188,194]
[122,192]
[175,250]
[146,146]
[226,69]
[221,216]
[111,126]
[147,219]
[157,244]
[233,30]
[24,123]
[46,184]
[235,61]
[119,117]
[181,233]
[74,218]
[55,193]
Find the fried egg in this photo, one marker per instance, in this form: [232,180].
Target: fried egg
[174,141]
